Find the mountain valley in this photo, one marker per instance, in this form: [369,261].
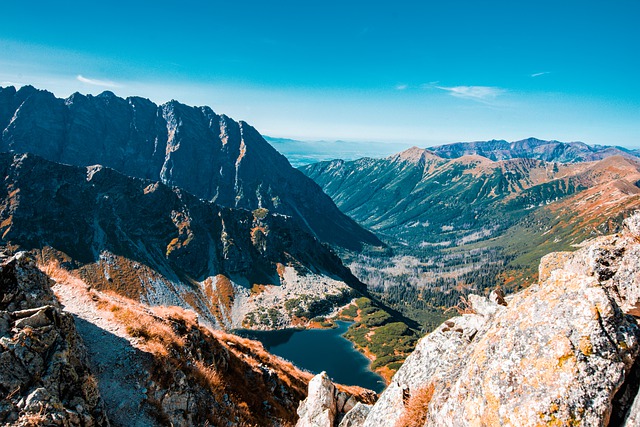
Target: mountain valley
[467,224]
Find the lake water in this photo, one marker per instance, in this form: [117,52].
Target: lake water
[318,350]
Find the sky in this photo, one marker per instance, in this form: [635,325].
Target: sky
[414,72]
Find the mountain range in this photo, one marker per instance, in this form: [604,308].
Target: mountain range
[211,156]
[531,148]
[133,235]
[468,223]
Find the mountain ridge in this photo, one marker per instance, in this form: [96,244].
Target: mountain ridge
[145,240]
[209,155]
[550,151]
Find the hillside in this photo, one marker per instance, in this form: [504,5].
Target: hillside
[209,155]
[468,223]
[163,246]
[82,357]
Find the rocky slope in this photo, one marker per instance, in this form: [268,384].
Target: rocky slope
[44,370]
[532,148]
[163,246]
[206,154]
[100,359]
[562,352]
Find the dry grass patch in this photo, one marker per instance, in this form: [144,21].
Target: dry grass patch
[417,407]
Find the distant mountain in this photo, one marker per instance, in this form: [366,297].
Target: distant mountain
[469,222]
[531,148]
[163,246]
[206,154]
[418,193]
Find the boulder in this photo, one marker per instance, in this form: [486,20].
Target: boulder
[319,409]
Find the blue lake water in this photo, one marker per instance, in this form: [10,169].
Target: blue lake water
[318,350]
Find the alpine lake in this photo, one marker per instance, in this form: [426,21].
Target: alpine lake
[318,350]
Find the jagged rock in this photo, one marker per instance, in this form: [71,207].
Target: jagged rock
[319,408]
[44,374]
[356,416]
[562,352]
[326,405]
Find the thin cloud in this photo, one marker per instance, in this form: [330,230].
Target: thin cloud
[477,93]
[95,82]
[540,74]
[401,87]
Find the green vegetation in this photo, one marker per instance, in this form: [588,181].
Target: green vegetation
[377,333]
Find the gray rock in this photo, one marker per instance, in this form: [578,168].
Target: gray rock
[319,408]
[43,364]
[37,399]
[356,416]
[36,320]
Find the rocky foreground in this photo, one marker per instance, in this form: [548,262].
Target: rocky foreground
[81,357]
[563,352]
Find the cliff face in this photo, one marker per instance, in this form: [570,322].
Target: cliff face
[161,245]
[208,155]
[44,372]
[562,352]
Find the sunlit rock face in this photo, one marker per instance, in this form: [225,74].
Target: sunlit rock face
[562,352]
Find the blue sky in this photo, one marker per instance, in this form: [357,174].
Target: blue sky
[419,72]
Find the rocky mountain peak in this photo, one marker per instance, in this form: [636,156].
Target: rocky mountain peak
[549,151]
[209,155]
[416,155]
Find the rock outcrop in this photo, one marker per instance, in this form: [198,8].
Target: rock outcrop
[562,352]
[163,246]
[326,405]
[206,154]
[44,373]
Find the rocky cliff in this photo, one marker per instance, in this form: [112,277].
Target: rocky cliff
[44,370]
[163,246]
[562,352]
[206,154]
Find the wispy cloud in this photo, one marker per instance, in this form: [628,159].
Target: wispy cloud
[401,86]
[540,74]
[95,82]
[477,93]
